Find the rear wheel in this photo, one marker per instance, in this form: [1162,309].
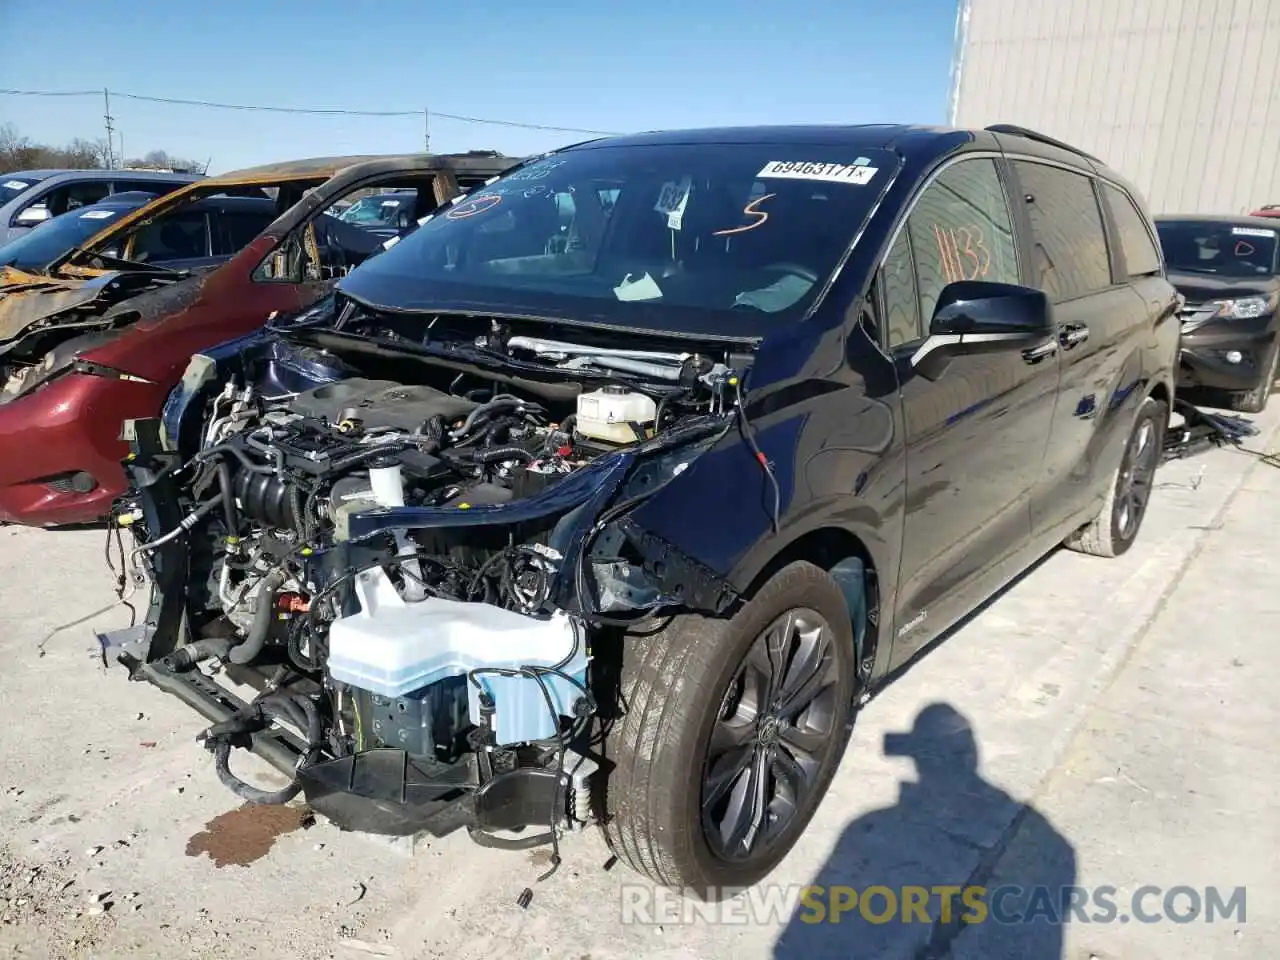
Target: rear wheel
[732,732]
[1255,400]
[1116,526]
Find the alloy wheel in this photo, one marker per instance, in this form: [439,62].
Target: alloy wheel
[774,726]
[1137,473]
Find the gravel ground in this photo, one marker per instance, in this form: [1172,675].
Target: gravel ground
[1116,734]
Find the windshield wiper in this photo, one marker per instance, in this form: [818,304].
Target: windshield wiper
[448,350]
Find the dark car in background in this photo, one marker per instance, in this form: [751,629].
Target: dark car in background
[607,493]
[200,235]
[386,214]
[1228,269]
[100,335]
[29,198]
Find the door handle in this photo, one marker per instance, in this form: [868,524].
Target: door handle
[1041,350]
[1073,335]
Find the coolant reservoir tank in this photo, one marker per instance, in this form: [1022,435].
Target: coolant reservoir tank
[608,414]
[394,649]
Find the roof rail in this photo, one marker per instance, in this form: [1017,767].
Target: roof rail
[1016,131]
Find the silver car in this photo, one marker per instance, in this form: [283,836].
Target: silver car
[30,197]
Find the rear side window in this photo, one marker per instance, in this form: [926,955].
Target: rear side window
[72,196]
[1140,255]
[1069,245]
[177,237]
[960,230]
[233,231]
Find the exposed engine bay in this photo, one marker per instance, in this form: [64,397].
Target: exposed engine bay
[416,577]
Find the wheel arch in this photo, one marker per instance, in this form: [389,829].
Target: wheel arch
[1162,391]
[851,563]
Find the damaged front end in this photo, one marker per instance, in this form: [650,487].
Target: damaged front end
[46,321]
[406,594]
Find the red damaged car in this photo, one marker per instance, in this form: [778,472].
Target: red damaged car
[102,334]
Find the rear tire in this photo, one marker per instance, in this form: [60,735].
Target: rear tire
[1255,400]
[1114,529]
[709,742]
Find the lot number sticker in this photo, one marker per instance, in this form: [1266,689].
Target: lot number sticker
[97,214]
[858,172]
[672,199]
[1252,232]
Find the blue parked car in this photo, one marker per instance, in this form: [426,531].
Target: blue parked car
[201,234]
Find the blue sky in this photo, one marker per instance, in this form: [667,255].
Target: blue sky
[660,64]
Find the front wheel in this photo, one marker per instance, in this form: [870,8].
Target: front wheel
[731,734]
[1114,529]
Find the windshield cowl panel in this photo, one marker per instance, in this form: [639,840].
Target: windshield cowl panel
[728,241]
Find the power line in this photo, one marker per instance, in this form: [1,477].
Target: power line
[312,111]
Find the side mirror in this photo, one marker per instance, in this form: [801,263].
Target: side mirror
[974,316]
[33,215]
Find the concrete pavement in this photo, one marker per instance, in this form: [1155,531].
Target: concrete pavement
[1119,714]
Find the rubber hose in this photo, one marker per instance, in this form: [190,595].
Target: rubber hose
[263,611]
[497,403]
[503,453]
[297,657]
[221,763]
[300,520]
[230,517]
[295,710]
[184,658]
[239,455]
[566,428]
[375,450]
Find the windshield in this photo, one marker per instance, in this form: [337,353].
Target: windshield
[11,186]
[36,249]
[721,239]
[371,211]
[1223,249]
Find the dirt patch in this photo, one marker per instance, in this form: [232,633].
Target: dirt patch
[42,906]
[247,833]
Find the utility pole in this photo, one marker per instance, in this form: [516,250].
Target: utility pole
[426,129]
[111,154]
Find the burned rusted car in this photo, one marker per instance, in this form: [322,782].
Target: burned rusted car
[99,337]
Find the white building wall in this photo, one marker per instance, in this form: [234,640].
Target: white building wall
[1180,96]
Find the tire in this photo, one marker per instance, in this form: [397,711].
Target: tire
[1115,528]
[1255,400]
[692,678]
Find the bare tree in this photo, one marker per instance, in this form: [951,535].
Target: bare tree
[88,154]
[19,153]
[163,160]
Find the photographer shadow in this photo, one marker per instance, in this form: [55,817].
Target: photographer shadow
[949,828]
